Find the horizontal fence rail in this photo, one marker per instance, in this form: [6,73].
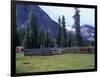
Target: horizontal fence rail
[56,51]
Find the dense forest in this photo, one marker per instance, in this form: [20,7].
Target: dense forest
[33,36]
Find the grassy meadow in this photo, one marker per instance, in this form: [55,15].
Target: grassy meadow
[53,62]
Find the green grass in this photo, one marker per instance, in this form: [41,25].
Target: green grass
[53,62]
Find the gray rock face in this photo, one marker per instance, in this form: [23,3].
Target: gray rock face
[43,20]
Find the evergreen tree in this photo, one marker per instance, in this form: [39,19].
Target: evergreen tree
[26,40]
[72,40]
[58,40]
[69,38]
[77,27]
[39,38]
[48,39]
[63,33]
[42,38]
[20,34]
[31,33]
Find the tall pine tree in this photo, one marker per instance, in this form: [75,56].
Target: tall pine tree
[20,34]
[58,39]
[63,33]
[77,27]
[48,39]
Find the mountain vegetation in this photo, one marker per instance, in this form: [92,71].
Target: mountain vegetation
[38,30]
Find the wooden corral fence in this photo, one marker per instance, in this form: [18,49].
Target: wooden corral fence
[41,51]
[56,51]
[32,52]
[78,50]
